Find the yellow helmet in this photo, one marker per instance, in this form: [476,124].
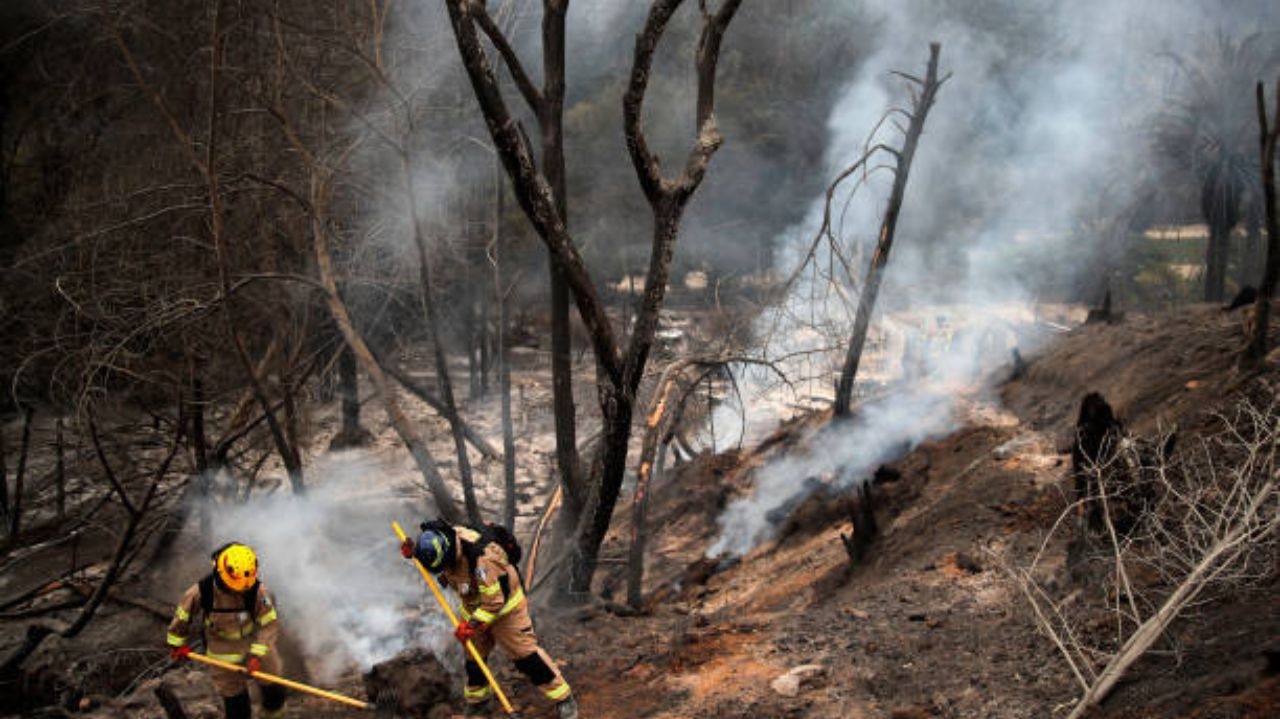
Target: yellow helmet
[237,566]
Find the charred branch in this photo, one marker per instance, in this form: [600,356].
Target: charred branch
[922,103]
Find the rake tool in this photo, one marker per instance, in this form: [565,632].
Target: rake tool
[453,619]
[265,677]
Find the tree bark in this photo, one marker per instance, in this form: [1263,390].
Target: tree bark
[1269,137]
[875,273]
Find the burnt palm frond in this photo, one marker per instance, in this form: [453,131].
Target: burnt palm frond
[1207,128]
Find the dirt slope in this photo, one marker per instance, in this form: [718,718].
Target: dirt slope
[927,625]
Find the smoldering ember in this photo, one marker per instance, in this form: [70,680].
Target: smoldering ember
[837,359]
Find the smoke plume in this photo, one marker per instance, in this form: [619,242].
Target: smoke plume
[1035,145]
[332,561]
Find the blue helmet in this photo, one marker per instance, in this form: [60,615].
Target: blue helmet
[434,550]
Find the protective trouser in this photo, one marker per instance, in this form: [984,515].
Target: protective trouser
[514,633]
[229,683]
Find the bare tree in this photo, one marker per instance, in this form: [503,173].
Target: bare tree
[1206,522]
[24,451]
[206,166]
[923,94]
[1269,135]
[618,375]
[547,105]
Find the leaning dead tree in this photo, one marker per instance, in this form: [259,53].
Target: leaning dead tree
[1269,135]
[619,368]
[1206,523]
[924,91]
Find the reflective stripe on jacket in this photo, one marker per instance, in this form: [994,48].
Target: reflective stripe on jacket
[229,630]
[490,590]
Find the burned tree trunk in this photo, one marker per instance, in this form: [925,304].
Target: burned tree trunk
[1247,267]
[503,356]
[1269,137]
[863,518]
[657,424]
[351,434]
[617,376]
[1098,435]
[59,471]
[565,277]
[668,198]
[875,273]
[4,481]
[15,510]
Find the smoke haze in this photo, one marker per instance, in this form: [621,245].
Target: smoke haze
[1035,141]
[333,563]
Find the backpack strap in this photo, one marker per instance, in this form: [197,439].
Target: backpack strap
[474,550]
[206,595]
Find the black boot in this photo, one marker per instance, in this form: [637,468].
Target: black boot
[238,706]
[273,696]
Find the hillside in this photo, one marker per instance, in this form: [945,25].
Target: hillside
[928,624]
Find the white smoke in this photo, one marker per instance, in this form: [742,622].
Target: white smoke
[333,563]
[1039,126]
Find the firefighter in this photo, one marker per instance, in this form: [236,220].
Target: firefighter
[494,611]
[237,619]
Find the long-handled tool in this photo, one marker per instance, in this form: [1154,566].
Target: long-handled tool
[453,619]
[265,677]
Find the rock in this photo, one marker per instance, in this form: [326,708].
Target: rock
[787,685]
[805,675]
[414,682]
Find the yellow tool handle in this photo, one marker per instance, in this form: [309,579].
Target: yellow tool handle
[453,619]
[263,676]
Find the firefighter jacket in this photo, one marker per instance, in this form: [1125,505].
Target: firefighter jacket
[489,590]
[231,631]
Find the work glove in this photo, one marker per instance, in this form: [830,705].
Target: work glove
[180,653]
[466,631]
[253,665]
[406,548]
